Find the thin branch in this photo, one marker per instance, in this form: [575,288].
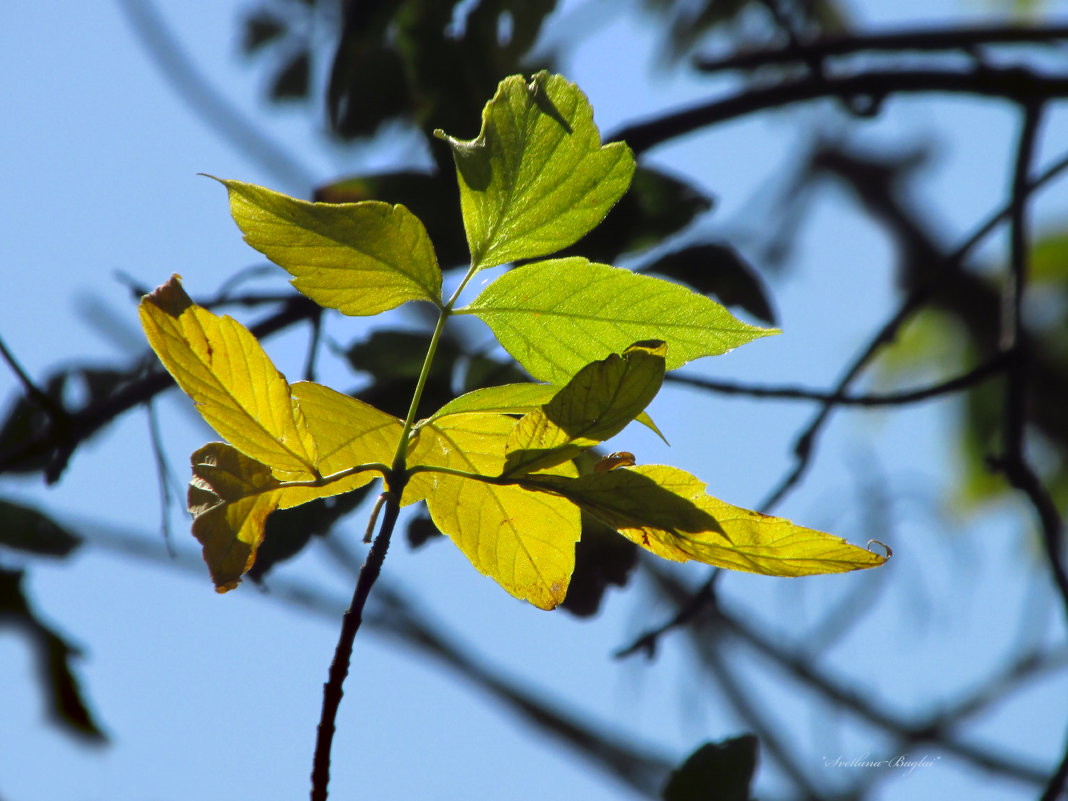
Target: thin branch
[767,732]
[963,39]
[803,445]
[929,731]
[207,103]
[350,624]
[983,372]
[61,440]
[1009,83]
[163,474]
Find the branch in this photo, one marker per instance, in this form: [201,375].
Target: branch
[84,423]
[208,104]
[350,624]
[1009,83]
[963,39]
[1013,462]
[946,265]
[974,376]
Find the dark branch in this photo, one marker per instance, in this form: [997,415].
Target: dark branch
[977,375]
[1012,83]
[948,39]
[350,624]
[208,104]
[63,439]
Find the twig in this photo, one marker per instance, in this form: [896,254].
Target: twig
[350,624]
[903,41]
[1010,83]
[803,445]
[1013,462]
[647,641]
[163,474]
[929,731]
[983,372]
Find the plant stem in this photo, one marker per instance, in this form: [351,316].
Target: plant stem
[350,624]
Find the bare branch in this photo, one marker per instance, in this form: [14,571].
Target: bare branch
[927,40]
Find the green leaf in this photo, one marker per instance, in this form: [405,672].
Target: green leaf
[221,366]
[718,269]
[556,316]
[231,494]
[595,405]
[666,511]
[727,766]
[523,540]
[26,529]
[514,399]
[505,399]
[537,177]
[359,258]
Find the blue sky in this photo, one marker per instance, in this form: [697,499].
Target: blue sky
[209,696]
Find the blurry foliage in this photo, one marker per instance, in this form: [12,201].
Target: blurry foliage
[430,64]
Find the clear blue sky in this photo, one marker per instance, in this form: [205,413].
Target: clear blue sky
[209,696]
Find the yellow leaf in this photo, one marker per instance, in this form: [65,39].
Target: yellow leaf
[666,511]
[359,258]
[523,540]
[221,366]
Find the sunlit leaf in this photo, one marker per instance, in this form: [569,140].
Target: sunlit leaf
[359,258]
[718,269]
[523,540]
[514,399]
[595,405]
[536,178]
[666,511]
[556,316]
[221,366]
[231,495]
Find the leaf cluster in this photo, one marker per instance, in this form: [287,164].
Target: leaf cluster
[500,469]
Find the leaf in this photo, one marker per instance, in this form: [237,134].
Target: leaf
[556,316]
[359,258]
[666,511]
[602,558]
[26,529]
[727,766]
[505,399]
[66,705]
[221,366]
[537,177]
[261,28]
[523,540]
[231,494]
[293,80]
[514,399]
[595,405]
[718,269]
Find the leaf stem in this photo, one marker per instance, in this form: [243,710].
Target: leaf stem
[424,373]
[350,624]
[322,481]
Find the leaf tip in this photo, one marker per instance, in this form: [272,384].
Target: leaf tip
[169,297]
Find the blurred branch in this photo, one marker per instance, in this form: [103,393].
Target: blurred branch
[63,439]
[1013,461]
[210,105]
[927,40]
[391,614]
[1009,83]
[983,372]
[940,267]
